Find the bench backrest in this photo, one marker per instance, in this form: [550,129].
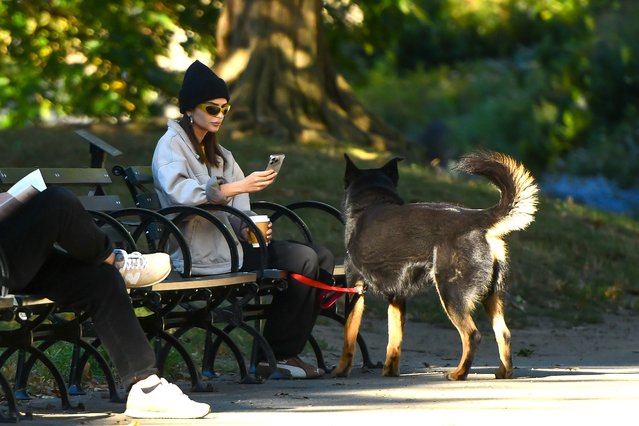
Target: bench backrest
[88,184]
[139,182]
[92,178]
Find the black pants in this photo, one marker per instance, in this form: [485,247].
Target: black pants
[292,314]
[77,279]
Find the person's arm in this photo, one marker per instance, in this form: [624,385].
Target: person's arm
[254,182]
[179,189]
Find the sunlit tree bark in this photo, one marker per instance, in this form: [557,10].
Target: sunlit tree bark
[274,57]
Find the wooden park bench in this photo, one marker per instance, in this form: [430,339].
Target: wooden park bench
[139,181]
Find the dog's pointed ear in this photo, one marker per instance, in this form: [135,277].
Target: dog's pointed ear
[391,169]
[351,170]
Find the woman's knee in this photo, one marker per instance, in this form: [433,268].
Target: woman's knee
[309,261]
[302,259]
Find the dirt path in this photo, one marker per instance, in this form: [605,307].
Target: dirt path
[581,374]
[613,342]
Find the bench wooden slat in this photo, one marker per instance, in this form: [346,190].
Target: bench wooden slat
[58,176]
[102,203]
[11,300]
[71,176]
[175,282]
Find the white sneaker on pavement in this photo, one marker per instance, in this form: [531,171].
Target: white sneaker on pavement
[155,398]
[142,270]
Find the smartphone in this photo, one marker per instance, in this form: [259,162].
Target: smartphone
[275,162]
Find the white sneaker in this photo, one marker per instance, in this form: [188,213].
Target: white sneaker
[142,270]
[155,398]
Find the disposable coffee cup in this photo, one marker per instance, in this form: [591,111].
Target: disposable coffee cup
[261,221]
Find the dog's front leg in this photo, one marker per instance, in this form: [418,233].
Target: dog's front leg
[396,312]
[351,330]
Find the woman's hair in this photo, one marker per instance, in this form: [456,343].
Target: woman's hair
[208,150]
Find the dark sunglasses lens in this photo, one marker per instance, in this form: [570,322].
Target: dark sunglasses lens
[213,109]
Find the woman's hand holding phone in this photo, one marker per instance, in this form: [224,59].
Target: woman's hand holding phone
[259,180]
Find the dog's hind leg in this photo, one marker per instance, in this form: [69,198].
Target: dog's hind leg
[458,309]
[470,337]
[494,307]
[351,330]
[396,314]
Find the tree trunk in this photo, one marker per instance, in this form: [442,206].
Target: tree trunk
[273,55]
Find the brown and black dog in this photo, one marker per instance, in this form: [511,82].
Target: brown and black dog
[397,249]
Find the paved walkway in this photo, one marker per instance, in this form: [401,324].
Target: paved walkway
[587,375]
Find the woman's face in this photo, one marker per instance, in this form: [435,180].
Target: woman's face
[208,116]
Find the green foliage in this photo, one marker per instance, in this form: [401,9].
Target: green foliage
[554,81]
[91,58]
[490,105]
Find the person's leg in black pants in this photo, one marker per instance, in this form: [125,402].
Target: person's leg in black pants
[79,279]
[292,314]
[99,290]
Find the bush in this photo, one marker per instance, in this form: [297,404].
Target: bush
[489,104]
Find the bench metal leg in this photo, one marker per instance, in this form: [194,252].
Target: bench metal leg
[319,357]
[75,375]
[36,354]
[260,343]
[211,348]
[196,383]
[12,414]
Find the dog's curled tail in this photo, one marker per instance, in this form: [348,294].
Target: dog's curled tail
[519,193]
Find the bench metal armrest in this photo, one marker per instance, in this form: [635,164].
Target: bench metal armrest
[283,211]
[318,205]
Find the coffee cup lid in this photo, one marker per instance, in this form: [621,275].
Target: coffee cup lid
[260,218]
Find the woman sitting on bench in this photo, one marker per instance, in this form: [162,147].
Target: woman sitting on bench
[190,168]
[90,275]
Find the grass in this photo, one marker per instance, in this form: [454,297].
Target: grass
[573,264]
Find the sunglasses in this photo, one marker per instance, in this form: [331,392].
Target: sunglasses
[213,109]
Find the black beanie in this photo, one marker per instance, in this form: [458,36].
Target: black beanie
[201,84]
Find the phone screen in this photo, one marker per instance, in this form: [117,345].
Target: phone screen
[275,162]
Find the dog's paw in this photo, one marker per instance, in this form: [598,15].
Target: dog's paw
[392,371]
[337,372]
[343,369]
[503,373]
[456,376]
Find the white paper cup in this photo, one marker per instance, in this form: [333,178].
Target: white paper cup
[262,222]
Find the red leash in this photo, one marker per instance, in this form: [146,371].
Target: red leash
[325,302]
